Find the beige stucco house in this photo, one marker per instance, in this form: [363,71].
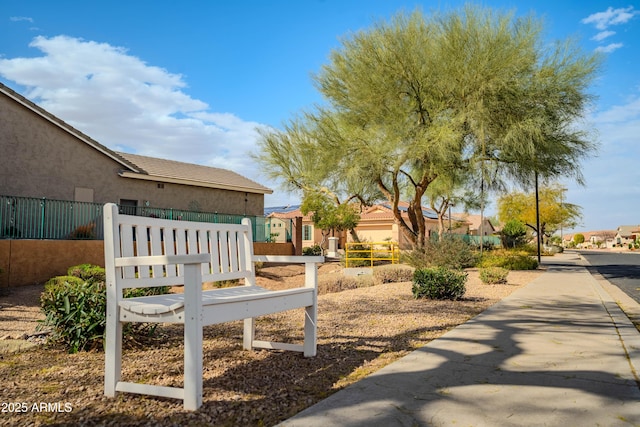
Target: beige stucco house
[44,157]
[475,222]
[626,234]
[377,224]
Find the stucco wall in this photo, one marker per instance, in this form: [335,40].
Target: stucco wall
[39,159]
[29,262]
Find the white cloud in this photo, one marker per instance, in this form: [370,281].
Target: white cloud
[128,105]
[611,16]
[21,18]
[602,35]
[609,48]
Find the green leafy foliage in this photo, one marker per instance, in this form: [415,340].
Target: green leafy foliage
[448,252]
[87,272]
[493,275]
[75,307]
[75,310]
[509,260]
[439,283]
[514,234]
[314,250]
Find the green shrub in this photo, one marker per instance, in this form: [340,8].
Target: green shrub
[448,252]
[75,310]
[75,307]
[314,250]
[439,283]
[493,275]
[508,260]
[521,263]
[393,273]
[58,283]
[87,272]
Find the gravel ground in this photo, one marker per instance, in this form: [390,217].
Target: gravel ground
[359,331]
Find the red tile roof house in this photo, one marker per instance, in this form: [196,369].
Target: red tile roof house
[377,224]
[592,239]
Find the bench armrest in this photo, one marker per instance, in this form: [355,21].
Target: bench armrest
[161,260]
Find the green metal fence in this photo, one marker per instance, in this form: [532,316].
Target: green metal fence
[33,218]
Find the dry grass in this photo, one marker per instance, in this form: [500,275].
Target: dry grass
[359,331]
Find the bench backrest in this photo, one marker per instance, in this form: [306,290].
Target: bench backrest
[230,248]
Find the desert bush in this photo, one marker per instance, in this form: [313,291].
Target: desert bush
[510,260]
[393,273]
[314,250]
[449,251]
[439,283]
[339,282]
[87,272]
[75,312]
[75,307]
[493,275]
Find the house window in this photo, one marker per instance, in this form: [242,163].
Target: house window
[306,232]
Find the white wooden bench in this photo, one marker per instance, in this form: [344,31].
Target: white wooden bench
[152,252]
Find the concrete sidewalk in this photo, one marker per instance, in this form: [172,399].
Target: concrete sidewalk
[558,352]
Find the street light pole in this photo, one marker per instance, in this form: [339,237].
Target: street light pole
[537,217]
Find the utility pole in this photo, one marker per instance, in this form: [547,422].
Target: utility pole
[538,217]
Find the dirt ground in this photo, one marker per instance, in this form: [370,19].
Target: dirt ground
[359,331]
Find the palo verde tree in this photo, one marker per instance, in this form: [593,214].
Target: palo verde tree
[555,212]
[410,100]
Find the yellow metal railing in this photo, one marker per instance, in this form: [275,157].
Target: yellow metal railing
[371,251]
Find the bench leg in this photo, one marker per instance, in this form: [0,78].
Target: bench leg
[249,333]
[112,353]
[192,366]
[310,331]
[192,338]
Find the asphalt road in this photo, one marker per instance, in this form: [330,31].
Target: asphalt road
[621,269]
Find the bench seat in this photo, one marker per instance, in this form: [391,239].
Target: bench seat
[240,301]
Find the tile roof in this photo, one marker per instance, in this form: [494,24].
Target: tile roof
[280,209]
[190,174]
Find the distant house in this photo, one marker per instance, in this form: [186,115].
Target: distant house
[44,157]
[592,239]
[626,234]
[474,221]
[280,217]
[377,224]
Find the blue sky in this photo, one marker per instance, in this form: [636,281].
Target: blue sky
[192,80]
